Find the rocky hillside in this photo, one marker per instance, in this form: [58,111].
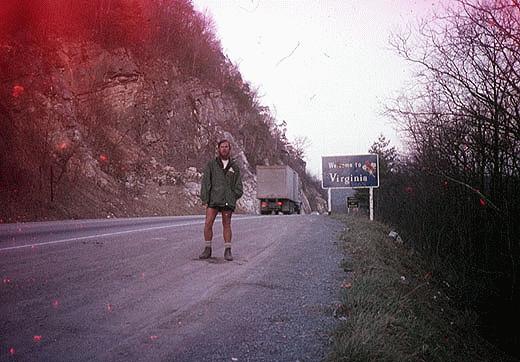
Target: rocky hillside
[99,119]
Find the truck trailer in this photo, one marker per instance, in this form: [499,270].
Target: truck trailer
[278,190]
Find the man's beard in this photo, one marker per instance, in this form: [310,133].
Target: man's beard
[224,157]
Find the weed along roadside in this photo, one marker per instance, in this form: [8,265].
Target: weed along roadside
[392,307]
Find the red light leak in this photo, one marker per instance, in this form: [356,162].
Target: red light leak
[55,303]
[18,90]
[103,158]
[63,146]
[37,339]
[12,351]
[153,338]
[7,280]
[109,307]
[482,202]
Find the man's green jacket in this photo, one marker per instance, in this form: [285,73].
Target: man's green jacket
[221,187]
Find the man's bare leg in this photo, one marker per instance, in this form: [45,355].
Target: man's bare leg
[226,226]
[211,214]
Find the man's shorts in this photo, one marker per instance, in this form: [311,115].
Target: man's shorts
[222,208]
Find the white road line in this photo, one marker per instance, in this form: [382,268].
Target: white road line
[115,233]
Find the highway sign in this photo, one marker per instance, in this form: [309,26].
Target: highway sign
[352,203]
[352,171]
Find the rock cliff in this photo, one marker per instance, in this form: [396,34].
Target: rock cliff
[96,131]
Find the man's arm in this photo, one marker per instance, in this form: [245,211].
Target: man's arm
[237,187]
[205,186]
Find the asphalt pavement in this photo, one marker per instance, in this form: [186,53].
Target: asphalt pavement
[135,290]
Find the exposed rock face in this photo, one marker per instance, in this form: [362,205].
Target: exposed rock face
[89,132]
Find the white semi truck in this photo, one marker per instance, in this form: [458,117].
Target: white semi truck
[278,189]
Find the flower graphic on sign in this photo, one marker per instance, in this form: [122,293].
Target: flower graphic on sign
[369,167]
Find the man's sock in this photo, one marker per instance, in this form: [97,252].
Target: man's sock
[207,244]
[227,245]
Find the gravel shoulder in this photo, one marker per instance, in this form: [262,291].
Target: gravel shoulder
[279,311]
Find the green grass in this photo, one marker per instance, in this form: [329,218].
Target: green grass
[395,310]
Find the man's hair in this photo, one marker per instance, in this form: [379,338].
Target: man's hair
[223,141]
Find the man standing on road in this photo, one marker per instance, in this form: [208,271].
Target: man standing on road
[221,188]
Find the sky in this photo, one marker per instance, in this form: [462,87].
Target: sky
[325,67]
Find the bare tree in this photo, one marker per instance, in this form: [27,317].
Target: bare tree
[460,191]
[301,145]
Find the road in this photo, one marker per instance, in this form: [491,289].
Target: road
[134,290]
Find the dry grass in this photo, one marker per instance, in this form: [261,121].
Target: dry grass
[395,310]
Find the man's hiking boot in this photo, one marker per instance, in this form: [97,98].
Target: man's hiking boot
[227,254]
[206,254]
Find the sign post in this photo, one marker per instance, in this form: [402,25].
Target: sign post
[371,197]
[351,171]
[329,203]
